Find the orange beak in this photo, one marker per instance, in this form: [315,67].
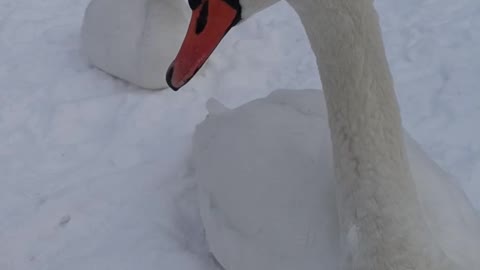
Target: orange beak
[211,20]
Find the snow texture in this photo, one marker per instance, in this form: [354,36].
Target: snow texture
[94,171]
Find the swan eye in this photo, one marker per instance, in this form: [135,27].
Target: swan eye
[194,4]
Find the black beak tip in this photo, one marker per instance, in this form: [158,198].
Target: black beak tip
[169,77]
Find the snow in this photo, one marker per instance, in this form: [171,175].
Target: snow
[94,171]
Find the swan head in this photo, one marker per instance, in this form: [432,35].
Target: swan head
[210,21]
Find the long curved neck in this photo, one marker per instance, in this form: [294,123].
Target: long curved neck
[381,223]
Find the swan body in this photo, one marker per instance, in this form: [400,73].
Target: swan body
[395,209]
[267,188]
[134,40]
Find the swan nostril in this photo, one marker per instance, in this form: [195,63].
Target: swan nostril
[169,78]
[202,19]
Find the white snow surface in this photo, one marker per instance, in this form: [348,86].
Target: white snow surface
[94,171]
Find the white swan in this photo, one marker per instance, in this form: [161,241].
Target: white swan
[277,209]
[134,40]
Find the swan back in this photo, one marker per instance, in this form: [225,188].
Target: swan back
[453,221]
[261,199]
[134,40]
[266,181]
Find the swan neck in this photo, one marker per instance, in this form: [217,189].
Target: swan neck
[379,212]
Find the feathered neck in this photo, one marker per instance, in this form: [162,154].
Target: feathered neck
[380,214]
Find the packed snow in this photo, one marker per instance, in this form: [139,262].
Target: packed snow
[95,172]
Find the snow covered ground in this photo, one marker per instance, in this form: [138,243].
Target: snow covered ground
[93,171]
